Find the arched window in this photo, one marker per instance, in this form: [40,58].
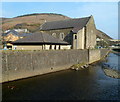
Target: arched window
[54,34]
[61,36]
[75,36]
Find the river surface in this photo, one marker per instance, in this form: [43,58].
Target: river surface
[88,84]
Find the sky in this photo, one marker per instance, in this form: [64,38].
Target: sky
[105,13]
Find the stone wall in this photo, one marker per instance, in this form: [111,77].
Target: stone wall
[90,34]
[57,33]
[23,64]
[81,39]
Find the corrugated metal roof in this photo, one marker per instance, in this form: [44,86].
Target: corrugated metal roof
[40,38]
[62,24]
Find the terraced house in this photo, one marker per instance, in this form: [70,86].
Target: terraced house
[80,32]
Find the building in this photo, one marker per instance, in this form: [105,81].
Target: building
[10,36]
[80,32]
[13,35]
[114,42]
[40,41]
[18,30]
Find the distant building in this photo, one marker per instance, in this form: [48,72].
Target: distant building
[40,41]
[80,33]
[114,42]
[13,35]
[18,30]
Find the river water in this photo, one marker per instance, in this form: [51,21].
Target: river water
[88,84]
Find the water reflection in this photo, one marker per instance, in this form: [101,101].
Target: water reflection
[113,61]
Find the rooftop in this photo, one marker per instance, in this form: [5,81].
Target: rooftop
[15,33]
[42,38]
[78,23]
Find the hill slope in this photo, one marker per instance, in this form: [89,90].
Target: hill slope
[31,21]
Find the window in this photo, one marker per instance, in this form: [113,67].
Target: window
[54,34]
[75,36]
[61,36]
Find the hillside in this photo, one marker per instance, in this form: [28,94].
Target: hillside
[30,21]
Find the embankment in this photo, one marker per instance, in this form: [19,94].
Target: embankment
[23,64]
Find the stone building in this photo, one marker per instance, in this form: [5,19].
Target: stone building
[40,41]
[80,32]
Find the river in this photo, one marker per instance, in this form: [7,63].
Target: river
[88,84]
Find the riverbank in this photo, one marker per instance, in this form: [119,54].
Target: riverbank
[111,69]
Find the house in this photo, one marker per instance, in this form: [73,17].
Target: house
[80,32]
[18,30]
[40,41]
[10,36]
[13,35]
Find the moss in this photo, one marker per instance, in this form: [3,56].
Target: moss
[78,65]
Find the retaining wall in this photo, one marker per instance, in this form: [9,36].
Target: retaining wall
[23,64]
[94,55]
[104,52]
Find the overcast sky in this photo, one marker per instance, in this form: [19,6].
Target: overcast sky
[105,13]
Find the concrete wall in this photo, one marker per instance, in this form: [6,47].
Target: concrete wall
[104,52]
[94,55]
[23,64]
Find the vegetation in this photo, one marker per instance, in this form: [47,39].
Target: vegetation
[39,14]
[79,65]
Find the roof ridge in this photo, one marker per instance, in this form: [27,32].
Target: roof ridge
[68,19]
[69,23]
